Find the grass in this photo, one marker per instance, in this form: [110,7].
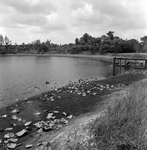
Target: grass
[125,124]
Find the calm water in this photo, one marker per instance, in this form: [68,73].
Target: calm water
[20,74]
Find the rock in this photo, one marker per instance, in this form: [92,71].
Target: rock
[56,112]
[49,116]
[8,129]
[21,133]
[28,123]
[70,117]
[40,130]
[15,111]
[14,117]
[4,116]
[64,121]
[11,145]
[9,135]
[29,145]
[64,113]
[39,124]
[12,140]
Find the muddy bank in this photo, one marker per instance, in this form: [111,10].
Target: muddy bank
[51,111]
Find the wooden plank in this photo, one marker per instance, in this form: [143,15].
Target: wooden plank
[143,59]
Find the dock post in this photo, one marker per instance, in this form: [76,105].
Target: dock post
[135,64]
[125,66]
[120,65]
[145,66]
[114,66]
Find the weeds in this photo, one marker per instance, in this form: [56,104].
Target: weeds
[124,126]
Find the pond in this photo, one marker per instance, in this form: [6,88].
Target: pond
[25,76]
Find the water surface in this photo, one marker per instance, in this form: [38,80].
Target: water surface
[20,75]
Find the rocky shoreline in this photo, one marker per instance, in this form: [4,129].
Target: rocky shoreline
[53,110]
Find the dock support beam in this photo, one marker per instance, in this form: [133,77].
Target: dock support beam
[145,66]
[114,66]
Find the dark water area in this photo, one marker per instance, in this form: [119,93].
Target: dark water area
[25,76]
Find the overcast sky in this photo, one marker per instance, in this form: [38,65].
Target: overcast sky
[64,20]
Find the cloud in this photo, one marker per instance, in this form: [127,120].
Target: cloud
[28,7]
[85,12]
[64,20]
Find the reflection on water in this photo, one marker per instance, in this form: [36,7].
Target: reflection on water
[20,74]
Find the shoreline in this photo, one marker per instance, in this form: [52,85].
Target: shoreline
[97,57]
[107,58]
[71,101]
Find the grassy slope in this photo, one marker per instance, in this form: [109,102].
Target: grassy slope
[124,125]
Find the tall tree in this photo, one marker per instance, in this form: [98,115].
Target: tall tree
[76,41]
[144,43]
[7,41]
[1,39]
[110,34]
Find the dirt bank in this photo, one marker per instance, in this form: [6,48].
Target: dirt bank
[27,121]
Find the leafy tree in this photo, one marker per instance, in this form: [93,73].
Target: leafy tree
[7,41]
[76,41]
[48,42]
[98,40]
[1,39]
[144,39]
[132,45]
[143,44]
[85,39]
[4,44]
[110,34]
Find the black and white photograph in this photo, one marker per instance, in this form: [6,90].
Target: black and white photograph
[73,74]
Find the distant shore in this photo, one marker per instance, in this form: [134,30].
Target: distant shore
[107,58]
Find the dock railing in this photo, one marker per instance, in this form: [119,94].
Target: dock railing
[128,63]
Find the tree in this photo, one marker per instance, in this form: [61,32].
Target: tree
[1,40]
[85,38]
[7,41]
[143,44]
[144,39]
[48,42]
[4,44]
[110,34]
[76,41]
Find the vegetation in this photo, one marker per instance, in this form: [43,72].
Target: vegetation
[123,127]
[101,45]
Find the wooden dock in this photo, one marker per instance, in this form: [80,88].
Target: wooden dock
[128,63]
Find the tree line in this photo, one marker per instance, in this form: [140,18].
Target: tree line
[108,43]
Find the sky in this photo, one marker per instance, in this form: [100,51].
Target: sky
[61,21]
